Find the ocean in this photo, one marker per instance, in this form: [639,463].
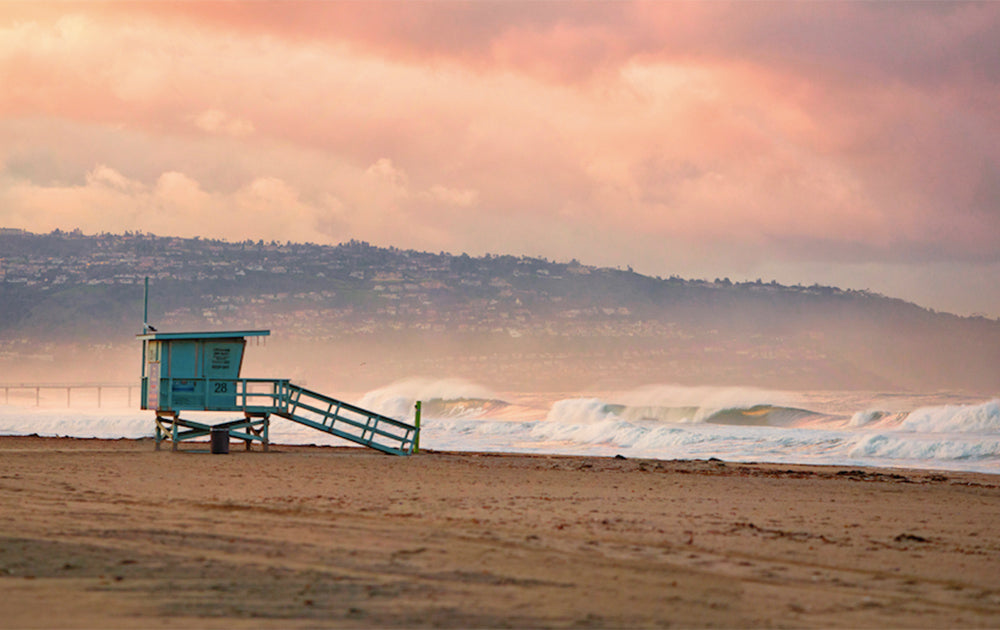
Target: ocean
[931,431]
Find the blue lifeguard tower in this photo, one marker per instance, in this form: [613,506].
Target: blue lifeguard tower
[200,371]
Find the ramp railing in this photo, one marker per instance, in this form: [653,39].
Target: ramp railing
[347,421]
[254,395]
[260,397]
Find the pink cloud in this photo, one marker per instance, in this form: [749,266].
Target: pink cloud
[826,131]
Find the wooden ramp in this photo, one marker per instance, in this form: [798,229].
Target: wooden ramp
[346,421]
[259,399]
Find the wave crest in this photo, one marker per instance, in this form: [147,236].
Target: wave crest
[450,397]
[751,412]
[983,418]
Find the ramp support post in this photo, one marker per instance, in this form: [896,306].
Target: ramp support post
[416,428]
[267,429]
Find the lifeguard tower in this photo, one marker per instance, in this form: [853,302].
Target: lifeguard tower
[200,371]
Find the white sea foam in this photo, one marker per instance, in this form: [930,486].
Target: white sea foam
[984,418]
[85,423]
[926,448]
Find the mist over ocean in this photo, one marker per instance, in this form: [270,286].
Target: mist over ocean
[933,431]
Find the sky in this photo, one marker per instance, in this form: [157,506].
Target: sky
[854,144]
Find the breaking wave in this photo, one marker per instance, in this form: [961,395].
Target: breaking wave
[455,398]
[750,425]
[984,418]
[749,412]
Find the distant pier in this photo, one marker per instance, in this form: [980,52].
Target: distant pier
[85,394]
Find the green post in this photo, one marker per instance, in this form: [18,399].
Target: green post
[416,433]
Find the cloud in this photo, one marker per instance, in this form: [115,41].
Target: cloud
[461,197]
[103,178]
[376,202]
[218,122]
[386,177]
[640,133]
[173,204]
[926,42]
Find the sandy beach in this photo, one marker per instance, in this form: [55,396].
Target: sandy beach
[97,533]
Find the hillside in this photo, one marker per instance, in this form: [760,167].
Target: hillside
[356,316]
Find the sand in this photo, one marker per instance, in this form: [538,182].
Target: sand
[97,533]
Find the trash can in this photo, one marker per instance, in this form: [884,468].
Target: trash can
[220,441]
